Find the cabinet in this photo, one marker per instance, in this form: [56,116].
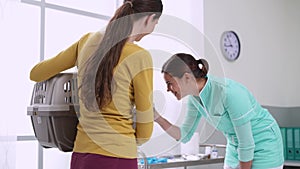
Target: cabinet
[288,120]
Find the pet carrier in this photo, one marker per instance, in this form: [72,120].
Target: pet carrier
[53,108]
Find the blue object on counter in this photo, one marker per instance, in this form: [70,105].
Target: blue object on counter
[154,160]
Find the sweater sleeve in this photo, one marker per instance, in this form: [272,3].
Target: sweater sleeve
[63,61]
[143,88]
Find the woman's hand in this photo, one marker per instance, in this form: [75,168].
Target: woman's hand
[245,165]
[156,114]
[171,129]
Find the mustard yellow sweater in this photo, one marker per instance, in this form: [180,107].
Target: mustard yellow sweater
[110,132]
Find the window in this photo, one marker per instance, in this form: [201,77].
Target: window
[34,30]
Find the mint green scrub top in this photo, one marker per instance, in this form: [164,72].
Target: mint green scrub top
[251,131]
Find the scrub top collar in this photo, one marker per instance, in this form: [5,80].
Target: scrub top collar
[205,90]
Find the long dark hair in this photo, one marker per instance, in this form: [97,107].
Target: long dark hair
[181,63]
[97,78]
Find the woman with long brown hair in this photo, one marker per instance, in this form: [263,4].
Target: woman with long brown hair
[115,77]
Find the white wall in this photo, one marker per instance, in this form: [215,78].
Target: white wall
[269,31]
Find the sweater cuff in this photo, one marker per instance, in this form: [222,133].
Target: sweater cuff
[246,154]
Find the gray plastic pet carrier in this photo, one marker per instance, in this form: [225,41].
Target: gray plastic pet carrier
[53,111]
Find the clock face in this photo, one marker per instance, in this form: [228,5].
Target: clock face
[230,45]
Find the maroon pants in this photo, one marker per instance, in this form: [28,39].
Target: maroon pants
[95,161]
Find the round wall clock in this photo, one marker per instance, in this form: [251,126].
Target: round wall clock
[230,45]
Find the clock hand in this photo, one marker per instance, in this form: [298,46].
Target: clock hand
[229,41]
[226,45]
